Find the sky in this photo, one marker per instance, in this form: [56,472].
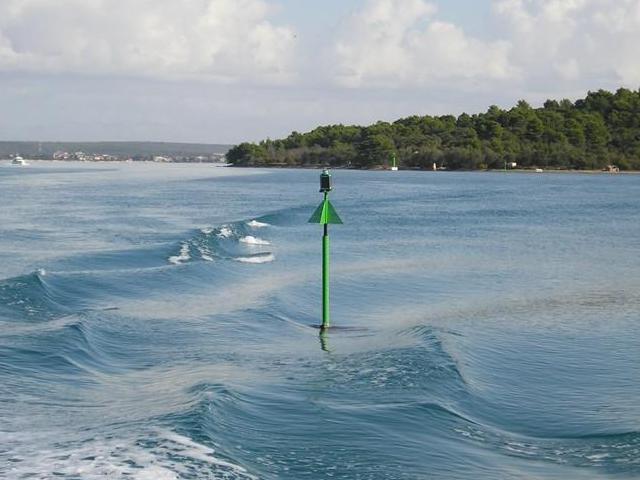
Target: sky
[227,71]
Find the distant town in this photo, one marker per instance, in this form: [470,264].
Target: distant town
[105,157]
[161,152]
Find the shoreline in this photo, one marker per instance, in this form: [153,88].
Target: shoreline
[319,167]
[400,169]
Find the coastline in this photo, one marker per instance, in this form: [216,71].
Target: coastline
[7,161]
[495,170]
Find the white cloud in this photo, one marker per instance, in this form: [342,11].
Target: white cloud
[531,45]
[588,40]
[221,39]
[400,42]
[539,45]
[404,56]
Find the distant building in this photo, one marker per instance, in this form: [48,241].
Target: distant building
[60,155]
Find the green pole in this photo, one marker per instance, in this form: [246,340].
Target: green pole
[325,214]
[326,316]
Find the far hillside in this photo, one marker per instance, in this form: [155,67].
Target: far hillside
[119,149]
[590,133]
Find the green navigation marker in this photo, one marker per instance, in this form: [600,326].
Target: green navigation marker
[394,167]
[325,214]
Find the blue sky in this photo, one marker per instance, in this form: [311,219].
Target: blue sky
[314,16]
[224,71]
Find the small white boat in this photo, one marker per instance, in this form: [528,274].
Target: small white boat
[539,170]
[19,161]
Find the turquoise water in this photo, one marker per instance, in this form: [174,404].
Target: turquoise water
[154,324]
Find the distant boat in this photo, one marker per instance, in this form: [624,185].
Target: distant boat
[539,170]
[19,161]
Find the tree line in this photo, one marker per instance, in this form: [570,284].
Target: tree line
[590,133]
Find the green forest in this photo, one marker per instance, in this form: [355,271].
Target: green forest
[590,133]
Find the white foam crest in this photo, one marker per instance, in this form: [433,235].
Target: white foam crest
[183,256]
[251,240]
[160,455]
[205,254]
[206,230]
[257,224]
[225,232]
[197,451]
[269,257]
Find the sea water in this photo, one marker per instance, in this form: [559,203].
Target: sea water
[155,324]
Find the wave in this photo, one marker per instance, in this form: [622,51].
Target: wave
[157,455]
[257,224]
[76,283]
[224,232]
[183,256]
[237,240]
[260,258]
[251,240]
[478,420]
[30,297]
[231,241]
[297,215]
[611,452]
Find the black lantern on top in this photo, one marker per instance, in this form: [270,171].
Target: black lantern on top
[325,181]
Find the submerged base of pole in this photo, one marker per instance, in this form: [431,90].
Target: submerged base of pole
[339,328]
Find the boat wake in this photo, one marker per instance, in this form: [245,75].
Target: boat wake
[153,455]
[233,241]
